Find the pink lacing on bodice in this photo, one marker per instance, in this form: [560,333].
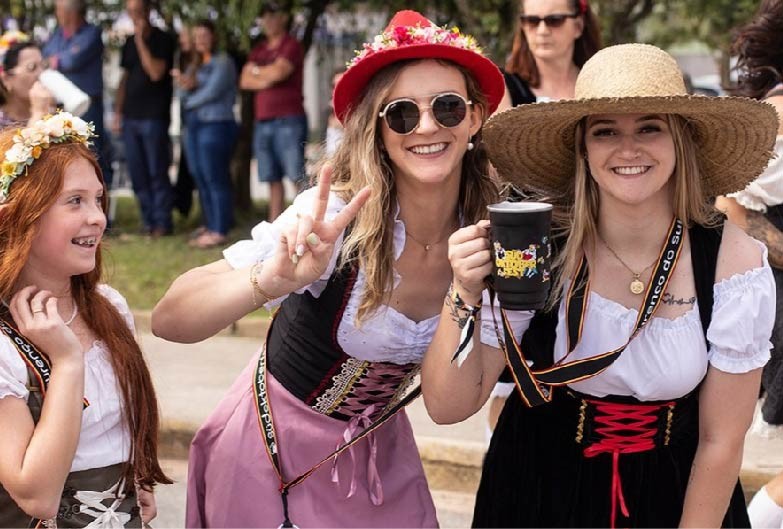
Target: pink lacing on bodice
[380,384]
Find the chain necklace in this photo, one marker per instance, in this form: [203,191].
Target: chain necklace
[636,286]
[70,320]
[428,246]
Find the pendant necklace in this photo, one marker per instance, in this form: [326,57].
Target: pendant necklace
[427,246]
[637,285]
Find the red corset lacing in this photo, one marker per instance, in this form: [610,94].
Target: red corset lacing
[624,429]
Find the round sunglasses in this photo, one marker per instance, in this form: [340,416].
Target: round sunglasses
[403,115]
[550,21]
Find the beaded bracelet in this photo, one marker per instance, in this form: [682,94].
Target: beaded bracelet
[256,287]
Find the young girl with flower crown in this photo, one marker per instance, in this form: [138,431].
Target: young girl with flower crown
[77,408]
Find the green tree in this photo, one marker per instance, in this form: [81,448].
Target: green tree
[708,21]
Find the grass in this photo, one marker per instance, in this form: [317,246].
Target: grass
[142,268]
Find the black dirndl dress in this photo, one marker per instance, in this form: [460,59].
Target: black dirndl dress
[584,461]
[539,471]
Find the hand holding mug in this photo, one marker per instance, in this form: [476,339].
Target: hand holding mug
[471,261]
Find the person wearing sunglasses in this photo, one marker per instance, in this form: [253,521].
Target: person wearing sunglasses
[22,98]
[552,42]
[358,268]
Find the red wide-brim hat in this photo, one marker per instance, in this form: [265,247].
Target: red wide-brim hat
[410,35]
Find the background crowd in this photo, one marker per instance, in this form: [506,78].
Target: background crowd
[552,41]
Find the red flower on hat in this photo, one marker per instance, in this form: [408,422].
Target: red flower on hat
[400,36]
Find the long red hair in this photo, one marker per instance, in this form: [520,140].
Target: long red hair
[30,196]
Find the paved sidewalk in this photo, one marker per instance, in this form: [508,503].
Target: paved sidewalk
[191,380]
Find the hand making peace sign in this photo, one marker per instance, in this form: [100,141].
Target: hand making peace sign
[307,246]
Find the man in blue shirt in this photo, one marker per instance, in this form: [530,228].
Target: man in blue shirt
[76,50]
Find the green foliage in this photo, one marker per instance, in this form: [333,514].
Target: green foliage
[142,268]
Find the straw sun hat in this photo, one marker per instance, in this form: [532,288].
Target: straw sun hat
[532,146]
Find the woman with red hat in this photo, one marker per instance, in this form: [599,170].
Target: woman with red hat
[313,433]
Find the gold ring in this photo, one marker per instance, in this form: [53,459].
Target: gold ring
[37,311]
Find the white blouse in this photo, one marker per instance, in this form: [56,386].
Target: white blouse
[104,439]
[392,336]
[767,189]
[669,357]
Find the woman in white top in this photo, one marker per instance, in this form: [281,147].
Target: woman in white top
[653,436]
[359,267]
[77,408]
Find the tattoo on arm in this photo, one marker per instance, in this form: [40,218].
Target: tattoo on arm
[460,317]
[668,299]
[759,227]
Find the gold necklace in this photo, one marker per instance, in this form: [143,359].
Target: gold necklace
[637,285]
[427,247]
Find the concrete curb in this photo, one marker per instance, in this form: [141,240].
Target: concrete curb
[247,327]
[449,465]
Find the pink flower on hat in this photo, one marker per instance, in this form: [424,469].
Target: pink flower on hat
[400,36]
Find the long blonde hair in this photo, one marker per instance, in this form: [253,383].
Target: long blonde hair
[577,220]
[361,161]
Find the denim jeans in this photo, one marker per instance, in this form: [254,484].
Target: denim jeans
[209,146]
[148,153]
[278,145]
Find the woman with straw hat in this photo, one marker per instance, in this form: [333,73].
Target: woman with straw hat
[314,432]
[643,424]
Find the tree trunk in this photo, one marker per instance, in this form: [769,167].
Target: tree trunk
[243,152]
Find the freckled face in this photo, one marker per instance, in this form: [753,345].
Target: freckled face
[72,227]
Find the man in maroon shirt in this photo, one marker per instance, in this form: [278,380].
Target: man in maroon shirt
[274,71]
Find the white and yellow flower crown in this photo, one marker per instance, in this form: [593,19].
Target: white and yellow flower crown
[30,141]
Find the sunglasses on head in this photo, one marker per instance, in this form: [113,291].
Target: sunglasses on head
[551,21]
[403,115]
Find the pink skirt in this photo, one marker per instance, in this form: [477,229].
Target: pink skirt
[232,483]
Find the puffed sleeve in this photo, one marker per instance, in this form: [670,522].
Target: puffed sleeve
[767,189]
[119,302]
[13,372]
[519,320]
[265,238]
[742,319]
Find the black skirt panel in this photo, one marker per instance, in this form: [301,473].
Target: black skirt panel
[537,475]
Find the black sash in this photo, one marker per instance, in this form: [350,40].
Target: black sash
[535,386]
[266,424]
[35,359]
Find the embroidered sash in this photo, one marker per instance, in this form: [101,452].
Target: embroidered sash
[35,359]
